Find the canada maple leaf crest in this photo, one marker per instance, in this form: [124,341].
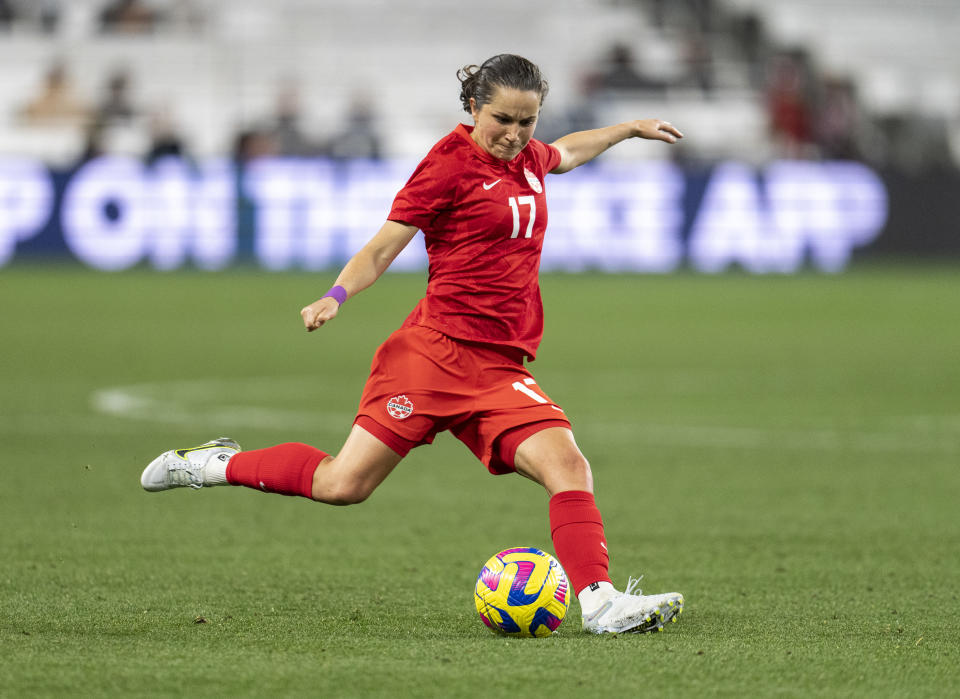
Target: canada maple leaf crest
[400,407]
[533,181]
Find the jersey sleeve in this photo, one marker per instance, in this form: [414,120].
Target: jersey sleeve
[547,156]
[425,195]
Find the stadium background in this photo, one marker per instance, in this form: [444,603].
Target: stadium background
[755,334]
[169,132]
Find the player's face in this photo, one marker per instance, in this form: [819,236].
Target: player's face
[505,124]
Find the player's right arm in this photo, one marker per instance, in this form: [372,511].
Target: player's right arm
[362,270]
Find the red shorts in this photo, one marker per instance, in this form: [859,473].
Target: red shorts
[423,382]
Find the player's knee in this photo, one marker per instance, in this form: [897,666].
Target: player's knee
[337,490]
[352,493]
[570,472]
[340,482]
[578,468]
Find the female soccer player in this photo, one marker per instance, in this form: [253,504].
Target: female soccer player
[456,363]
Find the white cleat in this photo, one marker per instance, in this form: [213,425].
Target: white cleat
[626,612]
[187,467]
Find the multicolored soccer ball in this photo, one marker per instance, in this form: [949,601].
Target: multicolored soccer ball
[522,592]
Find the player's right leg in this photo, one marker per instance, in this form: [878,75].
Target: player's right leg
[287,469]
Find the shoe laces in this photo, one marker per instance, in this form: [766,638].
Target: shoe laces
[184,474]
[633,586]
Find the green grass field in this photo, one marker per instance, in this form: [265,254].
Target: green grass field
[784,451]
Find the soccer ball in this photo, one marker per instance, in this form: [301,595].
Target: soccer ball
[522,592]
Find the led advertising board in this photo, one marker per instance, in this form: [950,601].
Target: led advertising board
[115,213]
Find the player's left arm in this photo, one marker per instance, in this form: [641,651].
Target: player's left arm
[583,146]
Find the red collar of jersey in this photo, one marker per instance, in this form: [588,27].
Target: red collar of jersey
[464,130]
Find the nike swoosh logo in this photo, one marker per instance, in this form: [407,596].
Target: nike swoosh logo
[182,453]
[491,185]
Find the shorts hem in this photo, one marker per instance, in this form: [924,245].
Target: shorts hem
[504,451]
[401,445]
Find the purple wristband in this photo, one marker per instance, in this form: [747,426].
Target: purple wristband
[338,293]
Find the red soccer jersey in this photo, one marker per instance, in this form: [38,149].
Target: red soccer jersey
[483,220]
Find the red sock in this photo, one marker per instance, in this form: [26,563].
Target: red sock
[577,530]
[286,469]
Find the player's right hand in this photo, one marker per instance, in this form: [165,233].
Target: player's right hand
[319,312]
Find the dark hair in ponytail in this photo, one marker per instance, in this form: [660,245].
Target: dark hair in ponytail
[503,70]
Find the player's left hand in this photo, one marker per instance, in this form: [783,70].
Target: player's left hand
[656,130]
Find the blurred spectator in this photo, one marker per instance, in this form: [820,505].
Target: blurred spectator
[702,15]
[287,132]
[94,143]
[749,36]
[36,14]
[698,62]
[128,17]
[254,143]
[619,72]
[953,138]
[48,14]
[7,14]
[578,115]
[838,120]
[249,145]
[788,105]
[657,11]
[56,104]
[359,137]
[915,143]
[165,140]
[184,15]
[117,106]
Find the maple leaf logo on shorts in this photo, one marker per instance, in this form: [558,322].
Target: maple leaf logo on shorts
[400,407]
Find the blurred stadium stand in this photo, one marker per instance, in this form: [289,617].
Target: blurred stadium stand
[220,71]
[216,65]
[902,55]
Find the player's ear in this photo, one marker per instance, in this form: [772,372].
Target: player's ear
[473,108]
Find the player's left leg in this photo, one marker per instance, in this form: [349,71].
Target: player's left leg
[551,457]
